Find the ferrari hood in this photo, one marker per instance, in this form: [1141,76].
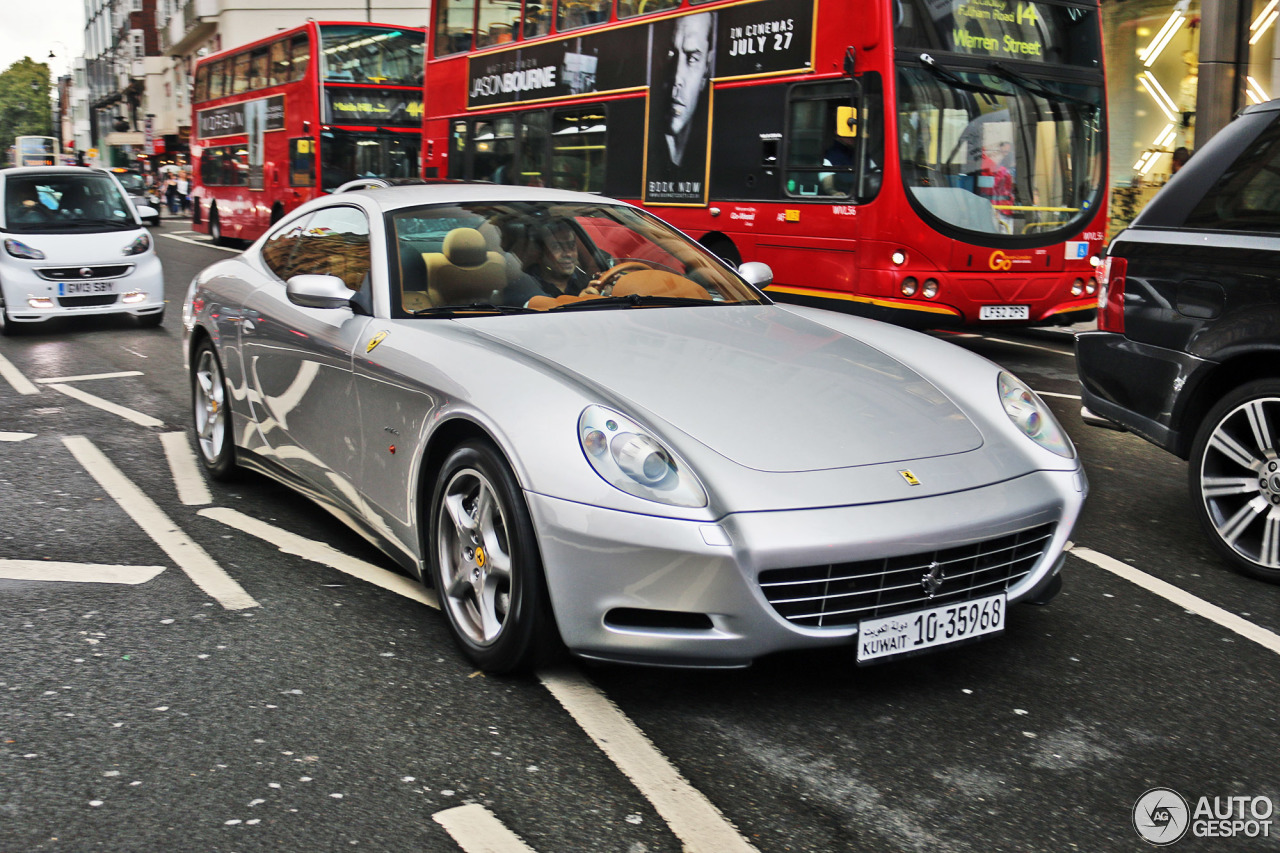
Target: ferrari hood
[763,387]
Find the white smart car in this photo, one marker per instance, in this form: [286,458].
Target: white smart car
[73,244]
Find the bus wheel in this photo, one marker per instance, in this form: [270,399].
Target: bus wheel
[723,247]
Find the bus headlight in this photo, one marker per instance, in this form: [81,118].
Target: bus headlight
[910,286]
[627,457]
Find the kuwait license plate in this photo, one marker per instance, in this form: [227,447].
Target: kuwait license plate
[84,288]
[1004,312]
[925,629]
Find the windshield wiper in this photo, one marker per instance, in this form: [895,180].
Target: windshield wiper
[1035,88]
[470,310]
[948,76]
[633,300]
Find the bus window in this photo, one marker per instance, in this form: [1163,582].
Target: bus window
[631,8]
[497,24]
[577,148]
[533,149]
[458,150]
[537,18]
[455,25]
[302,163]
[202,84]
[279,72]
[493,150]
[345,155]
[240,73]
[258,69]
[299,57]
[820,159]
[571,14]
[217,79]
[357,54]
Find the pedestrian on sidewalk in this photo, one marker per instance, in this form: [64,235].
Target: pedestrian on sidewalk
[184,192]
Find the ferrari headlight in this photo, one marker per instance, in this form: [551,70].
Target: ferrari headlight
[629,458]
[1029,413]
[21,250]
[137,247]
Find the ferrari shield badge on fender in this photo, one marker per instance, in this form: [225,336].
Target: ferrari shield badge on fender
[909,477]
[375,340]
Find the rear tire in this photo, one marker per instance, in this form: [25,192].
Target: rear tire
[484,561]
[1235,478]
[211,407]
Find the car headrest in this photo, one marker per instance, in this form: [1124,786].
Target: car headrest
[465,247]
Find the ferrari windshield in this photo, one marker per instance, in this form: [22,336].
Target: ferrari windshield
[504,257]
[1000,152]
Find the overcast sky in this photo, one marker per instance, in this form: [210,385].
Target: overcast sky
[40,26]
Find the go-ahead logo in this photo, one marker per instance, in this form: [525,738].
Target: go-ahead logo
[1161,816]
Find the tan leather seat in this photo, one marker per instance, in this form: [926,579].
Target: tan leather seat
[465,270]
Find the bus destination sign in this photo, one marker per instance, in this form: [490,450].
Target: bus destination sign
[382,107]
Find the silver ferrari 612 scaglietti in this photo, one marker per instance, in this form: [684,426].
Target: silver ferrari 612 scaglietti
[580,426]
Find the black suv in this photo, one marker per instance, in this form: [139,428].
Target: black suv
[1187,352]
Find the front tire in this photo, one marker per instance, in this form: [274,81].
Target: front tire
[484,562]
[211,407]
[10,328]
[1235,478]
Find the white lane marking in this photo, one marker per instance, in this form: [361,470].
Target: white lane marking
[1267,639]
[477,830]
[42,570]
[192,489]
[107,406]
[16,436]
[318,552]
[206,243]
[1070,353]
[86,377]
[189,556]
[14,377]
[1056,394]
[692,817]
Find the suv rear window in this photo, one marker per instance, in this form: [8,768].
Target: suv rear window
[1247,195]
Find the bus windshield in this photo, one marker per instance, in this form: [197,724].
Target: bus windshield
[998,152]
[347,155]
[355,54]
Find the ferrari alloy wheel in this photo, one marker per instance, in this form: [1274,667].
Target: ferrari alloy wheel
[1235,478]
[485,563]
[212,413]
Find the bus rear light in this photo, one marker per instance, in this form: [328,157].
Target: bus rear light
[930,288]
[909,286]
[898,257]
[1111,295]
[1077,287]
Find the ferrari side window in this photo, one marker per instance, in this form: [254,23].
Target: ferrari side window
[335,242]
[279,251]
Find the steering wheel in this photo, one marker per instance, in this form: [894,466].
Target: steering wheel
[609,278]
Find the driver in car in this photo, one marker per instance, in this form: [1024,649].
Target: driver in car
[554,270]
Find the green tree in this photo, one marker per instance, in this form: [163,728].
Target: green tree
[26,102]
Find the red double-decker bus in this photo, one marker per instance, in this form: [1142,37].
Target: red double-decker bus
[282,119]
[930,162]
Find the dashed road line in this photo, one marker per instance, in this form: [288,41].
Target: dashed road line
[189,556]
[107,406]
[318,552]
[477,830]
[187,479]
[691,816]
[14,377]
[1267,639]
[208,244]
[45,570]
[90,376]
[16,436]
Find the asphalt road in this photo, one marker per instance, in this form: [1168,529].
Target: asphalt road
[258,678]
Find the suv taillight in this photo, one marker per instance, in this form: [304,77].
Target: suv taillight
[1111,295]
